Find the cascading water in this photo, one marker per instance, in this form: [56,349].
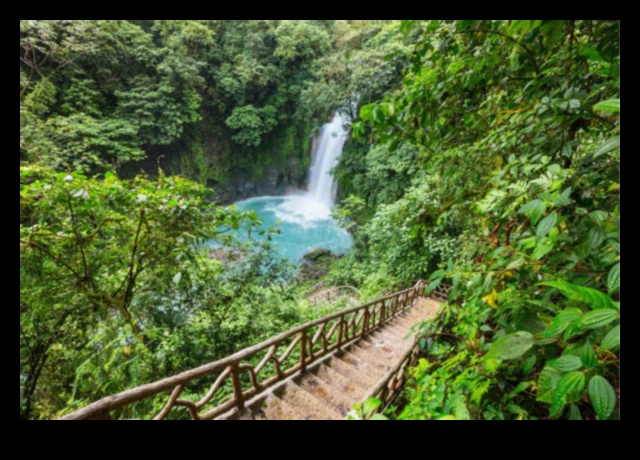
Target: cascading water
[321,183]
[305,216]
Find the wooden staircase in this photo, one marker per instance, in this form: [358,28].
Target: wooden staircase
[331,388]
[317,370]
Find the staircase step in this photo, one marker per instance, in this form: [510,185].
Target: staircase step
[273,408]
[339,382]
[311,406]
[350,373]
[371,373]
[329,392]
[369,354]
[384,347]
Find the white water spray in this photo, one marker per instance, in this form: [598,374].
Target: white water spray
[321,183]
[306,207]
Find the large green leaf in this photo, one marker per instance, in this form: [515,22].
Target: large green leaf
[597,318]
[569,386]
[587,355]
[561,321]
[547,382]
[611,341]
[595,299]
[574,413]
[602,396]
[613,279]
[534,209]
[511,346]
[546,225]
[610,105]
[542,248]
[607,146]
[567,363]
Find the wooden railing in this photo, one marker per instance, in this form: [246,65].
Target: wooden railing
[313,289]
[390,385]
[334,293]
[249,372]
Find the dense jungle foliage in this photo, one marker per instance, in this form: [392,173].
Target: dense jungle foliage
[495,167]
[483,154]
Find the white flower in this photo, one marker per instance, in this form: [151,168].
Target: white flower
[68,178]
[142,198]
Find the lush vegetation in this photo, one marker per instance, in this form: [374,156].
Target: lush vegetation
[484,155]
[215,101]
[495,167]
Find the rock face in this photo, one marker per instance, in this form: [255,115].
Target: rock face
[277,180]
[315,264]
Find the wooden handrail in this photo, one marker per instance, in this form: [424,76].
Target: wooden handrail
[390,385]
[311,341]
[334,292]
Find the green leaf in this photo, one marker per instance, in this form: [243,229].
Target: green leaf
[542,248]
[595,237]
[547,382]
[567,363]
[611,341]
[573,330]
[530,206]
[437,274]
[586,354]
[546,225]
[378,417]
[511,346]
[515,263]
[574,413]
[595,299]
[370,405]
[177,277]
[610,105]
[598,318]
[590,53]
[433,284]
[613,279]
[569,385]
[608,146]
[602,397]
[366,112]
[534,209]
[562,321]
[460,411]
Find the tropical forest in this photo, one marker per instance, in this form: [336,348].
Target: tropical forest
[320,219]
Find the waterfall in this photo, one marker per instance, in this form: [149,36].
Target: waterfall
[321,183]
[304,217]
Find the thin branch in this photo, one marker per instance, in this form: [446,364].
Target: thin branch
[45,251]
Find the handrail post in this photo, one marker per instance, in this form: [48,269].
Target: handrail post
[237,386]
[365,320]
[303,349]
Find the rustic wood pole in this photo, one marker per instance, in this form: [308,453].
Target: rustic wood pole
[303,349]
[365,320]
[237,386]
